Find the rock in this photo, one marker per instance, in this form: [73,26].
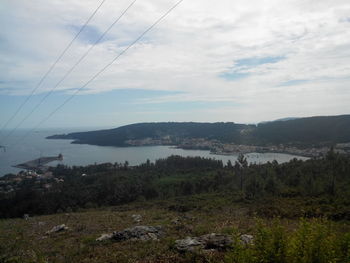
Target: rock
[206,242]
[188,244]
[105,237]
[134,233]
[57,228]
[216,241]
[247,239]
[40,223]
[137,218]
[139,233]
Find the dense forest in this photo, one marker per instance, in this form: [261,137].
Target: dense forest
[313,130]
[227,132]
[325,181]
[303,131]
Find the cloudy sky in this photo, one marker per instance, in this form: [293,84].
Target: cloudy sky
[241,61]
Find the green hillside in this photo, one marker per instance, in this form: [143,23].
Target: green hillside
[295,212]
[313,130]
[117,137]
[303,131]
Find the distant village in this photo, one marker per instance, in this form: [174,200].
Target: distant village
[216,147]
[11,183]
[36,174]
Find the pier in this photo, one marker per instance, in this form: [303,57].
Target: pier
[39,164]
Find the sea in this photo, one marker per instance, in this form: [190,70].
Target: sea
[36,145]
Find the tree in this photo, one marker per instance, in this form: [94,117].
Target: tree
[126,165]
[239,167]
[331,158]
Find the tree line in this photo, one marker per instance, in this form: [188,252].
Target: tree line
[115,184]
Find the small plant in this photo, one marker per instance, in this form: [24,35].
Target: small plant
[314,241]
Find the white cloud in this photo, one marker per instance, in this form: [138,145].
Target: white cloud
[190,50]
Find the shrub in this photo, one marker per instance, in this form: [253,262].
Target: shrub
[313,241]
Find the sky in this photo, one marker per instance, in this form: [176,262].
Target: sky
[208,61]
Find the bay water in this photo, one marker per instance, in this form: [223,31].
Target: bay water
[36,145]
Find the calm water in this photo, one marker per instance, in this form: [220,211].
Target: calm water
[74,154]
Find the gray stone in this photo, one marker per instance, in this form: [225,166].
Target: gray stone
[188,244]
[139,233]
[137,218]
[105,237]
[57,228]
[206,242]
[247,239]
[216,241]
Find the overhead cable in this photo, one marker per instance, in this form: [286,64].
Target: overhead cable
[69,71]
[100,72]
[50,69]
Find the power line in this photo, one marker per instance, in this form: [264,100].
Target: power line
[51,68]
[69,71]
[100,72]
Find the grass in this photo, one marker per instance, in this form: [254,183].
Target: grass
[276,240]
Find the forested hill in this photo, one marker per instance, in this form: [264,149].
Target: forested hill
[332,129]
[311,130]
[226,132]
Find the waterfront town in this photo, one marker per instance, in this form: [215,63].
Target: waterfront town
[38,174]
[216,147]
[12,182]
[35,172]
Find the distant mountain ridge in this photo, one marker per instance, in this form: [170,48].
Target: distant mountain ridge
[226,132]
[299,131]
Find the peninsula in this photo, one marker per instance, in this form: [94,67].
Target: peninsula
[312,136]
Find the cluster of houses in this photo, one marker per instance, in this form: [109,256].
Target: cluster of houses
[217,147]
[38,181]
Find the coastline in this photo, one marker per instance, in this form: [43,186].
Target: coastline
[217,148]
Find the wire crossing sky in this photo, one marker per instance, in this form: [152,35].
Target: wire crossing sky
[68,72]
[49,70]
[101,71]
[240,61]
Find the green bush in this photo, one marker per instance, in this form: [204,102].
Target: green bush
[313,241]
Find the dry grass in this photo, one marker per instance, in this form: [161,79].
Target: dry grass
[25,240]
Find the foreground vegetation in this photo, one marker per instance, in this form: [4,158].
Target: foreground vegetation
[317,187]
[297,212]
[275,240]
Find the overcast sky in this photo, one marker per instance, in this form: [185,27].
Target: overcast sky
[242,61]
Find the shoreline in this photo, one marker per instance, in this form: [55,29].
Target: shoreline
[213,150]
[218,148]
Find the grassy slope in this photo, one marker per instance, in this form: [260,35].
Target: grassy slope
[25,241]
